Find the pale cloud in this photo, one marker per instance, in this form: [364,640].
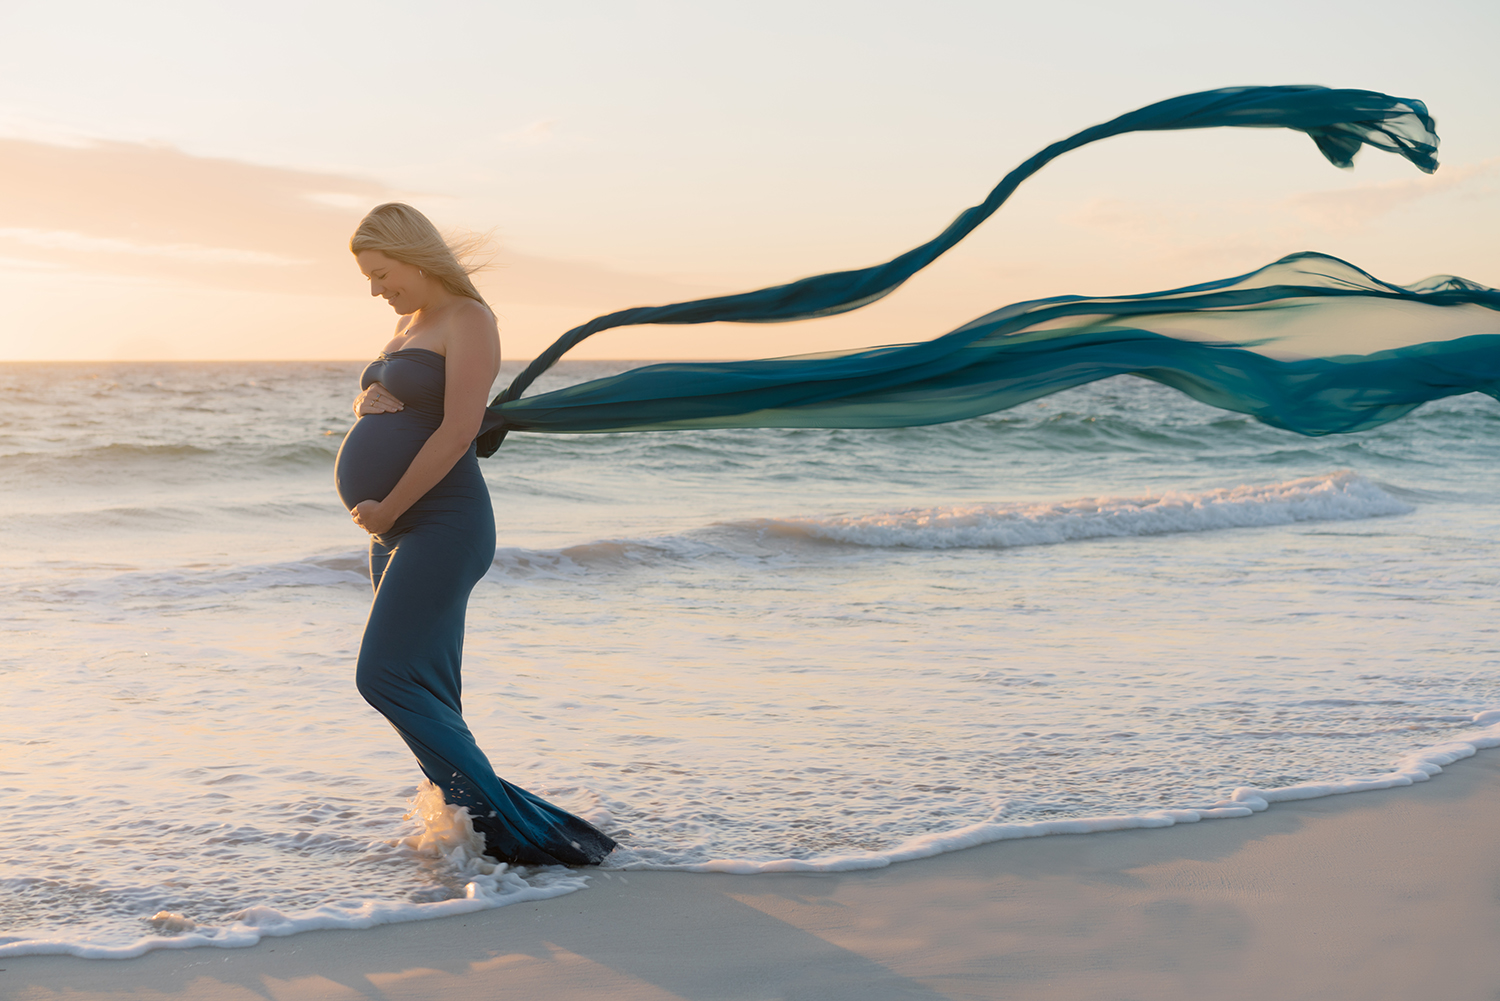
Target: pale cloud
[1302,216]
[1137,218]
[539,280]
[1111,213]
[338,199]
[1354,207]
[153,238]
[1186,243]
[16,126]
[27,264]
[534,134]
[154,212]
[66,240]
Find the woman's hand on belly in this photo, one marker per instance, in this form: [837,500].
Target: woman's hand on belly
[371,516]
[376,400]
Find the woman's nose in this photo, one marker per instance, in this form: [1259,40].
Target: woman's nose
[375,288]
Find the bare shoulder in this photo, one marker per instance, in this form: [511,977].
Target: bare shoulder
[471,336]
[470,316]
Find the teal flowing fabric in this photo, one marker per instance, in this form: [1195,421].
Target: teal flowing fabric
[1309,343]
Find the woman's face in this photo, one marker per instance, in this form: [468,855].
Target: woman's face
[401,285]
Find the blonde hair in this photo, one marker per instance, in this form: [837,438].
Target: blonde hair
[403,234]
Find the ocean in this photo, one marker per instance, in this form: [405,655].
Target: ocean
[735,651]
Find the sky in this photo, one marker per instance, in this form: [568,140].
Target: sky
[179,180]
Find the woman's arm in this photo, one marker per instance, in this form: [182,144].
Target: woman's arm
[473,360]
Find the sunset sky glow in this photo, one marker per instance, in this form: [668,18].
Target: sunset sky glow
[179,180]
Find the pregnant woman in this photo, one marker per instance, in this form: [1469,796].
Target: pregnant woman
[408,474]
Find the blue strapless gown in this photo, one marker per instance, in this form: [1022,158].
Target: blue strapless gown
[423,570]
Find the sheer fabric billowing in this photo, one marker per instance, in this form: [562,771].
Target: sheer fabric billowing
[1309,343]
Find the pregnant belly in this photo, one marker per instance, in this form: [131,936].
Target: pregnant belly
[375,453]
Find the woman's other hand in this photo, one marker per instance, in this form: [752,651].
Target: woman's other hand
[376,400]
[368,514]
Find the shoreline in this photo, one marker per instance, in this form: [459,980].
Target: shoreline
[1381,894]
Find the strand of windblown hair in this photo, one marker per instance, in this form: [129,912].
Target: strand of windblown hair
[1339,122]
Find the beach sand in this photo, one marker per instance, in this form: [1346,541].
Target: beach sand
[1391,894]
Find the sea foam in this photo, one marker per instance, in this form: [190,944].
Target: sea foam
[444,835]
[1337,496]
[1418,766]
